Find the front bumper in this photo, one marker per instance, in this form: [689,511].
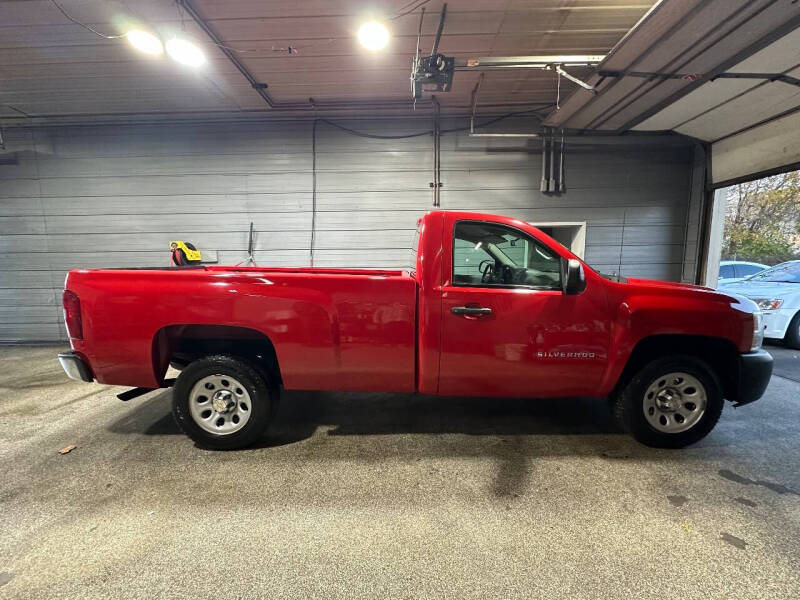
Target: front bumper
[74,366]
[755,369]
[776,322]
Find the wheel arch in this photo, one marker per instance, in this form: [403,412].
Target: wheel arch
[720,354]
[184,343]
[790,337]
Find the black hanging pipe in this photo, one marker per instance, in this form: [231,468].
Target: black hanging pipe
[543,184]
[436,153]
[562,184]
[313,192]
[551,187]
[435,49]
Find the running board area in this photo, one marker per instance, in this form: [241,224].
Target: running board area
[141,391]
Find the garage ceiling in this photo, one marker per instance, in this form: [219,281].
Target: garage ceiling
[51,68]
[672,65]
[665,74]
[681,69]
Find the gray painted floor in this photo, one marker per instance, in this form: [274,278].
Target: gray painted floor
[373,496]
[787,361]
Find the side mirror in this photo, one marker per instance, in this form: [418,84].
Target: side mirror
[573,278]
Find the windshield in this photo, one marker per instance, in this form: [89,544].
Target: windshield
[788,272]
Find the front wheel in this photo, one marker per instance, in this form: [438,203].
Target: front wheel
[222,403]
[793,333]
[670,403]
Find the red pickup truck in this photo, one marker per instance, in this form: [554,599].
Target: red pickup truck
[492,307]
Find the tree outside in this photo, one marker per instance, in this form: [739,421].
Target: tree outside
[762,223]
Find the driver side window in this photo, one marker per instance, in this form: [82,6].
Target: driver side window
[492,255]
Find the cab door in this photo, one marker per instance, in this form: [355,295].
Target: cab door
[508,329]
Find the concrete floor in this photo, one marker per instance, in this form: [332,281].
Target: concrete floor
[373,496]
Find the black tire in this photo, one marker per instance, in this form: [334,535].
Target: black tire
[792,338]
[628,404]
[253,381]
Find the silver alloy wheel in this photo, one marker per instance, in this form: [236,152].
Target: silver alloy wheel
[220,404]
[674,402]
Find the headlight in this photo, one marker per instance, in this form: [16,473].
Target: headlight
[768,303]
[758,331]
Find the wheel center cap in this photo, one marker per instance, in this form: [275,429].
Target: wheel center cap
[668,400]
[222,401]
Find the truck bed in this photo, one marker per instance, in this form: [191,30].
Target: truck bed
[332,329]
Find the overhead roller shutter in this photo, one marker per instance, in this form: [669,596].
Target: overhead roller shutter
[769,148]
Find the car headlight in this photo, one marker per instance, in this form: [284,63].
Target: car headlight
[768,303]
[758,331]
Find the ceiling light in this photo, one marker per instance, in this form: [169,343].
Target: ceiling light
[373,35]
[145,41]
[185,52]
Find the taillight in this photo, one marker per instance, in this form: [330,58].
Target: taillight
[72,315]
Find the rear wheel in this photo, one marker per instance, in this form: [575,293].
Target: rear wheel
[670,403]
[222,402]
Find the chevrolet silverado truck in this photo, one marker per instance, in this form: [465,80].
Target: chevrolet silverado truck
[492,307]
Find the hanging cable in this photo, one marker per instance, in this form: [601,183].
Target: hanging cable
[288,49]
[409,11]
[84,25]
[15,109]
[532,112]
[373,135]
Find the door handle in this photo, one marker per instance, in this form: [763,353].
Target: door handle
[470,310]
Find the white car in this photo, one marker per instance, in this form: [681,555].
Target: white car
[777,292]
[736,270]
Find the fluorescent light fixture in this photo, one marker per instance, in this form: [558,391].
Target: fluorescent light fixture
[185,52]
[145,41]
[373,36]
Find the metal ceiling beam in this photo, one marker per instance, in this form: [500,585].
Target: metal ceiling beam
[486,63]
[695,76]
[503,135]
[258,86]
[439,29]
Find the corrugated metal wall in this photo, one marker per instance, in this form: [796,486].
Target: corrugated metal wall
[96,196]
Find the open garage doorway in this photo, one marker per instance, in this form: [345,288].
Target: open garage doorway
[571,235]
[755,225]
[754,251]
